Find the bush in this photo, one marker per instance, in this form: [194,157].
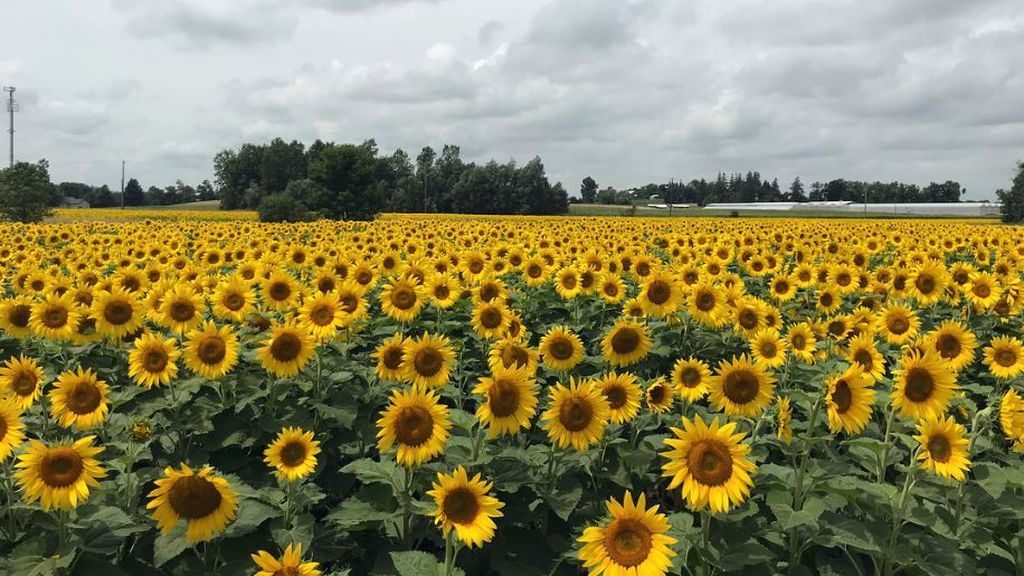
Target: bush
[25,192]
[1013,199]
[282,208]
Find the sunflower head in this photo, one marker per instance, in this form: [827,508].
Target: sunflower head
[741,387]
[465,505]
[577,415]
[944,447]
[206,502]
[710,463]
[292,454]
[61,475]
[417,422]
[633,540]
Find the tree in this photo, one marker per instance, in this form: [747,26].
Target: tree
[205,191]
[1013,199]
[281,207]
[796,191]
[588,190]
[25,191]
[349,174]
[133,194]
[154,196]
[101,197]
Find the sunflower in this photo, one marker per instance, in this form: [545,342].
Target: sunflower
[79,399]
[11,427]
[611,288]
[23,378]
[287,351]
[512,354]
[748,316]
[623,396]
[922,386]
[929,282]
[417,422]
[55,317]
[768,348]
[1011,419]
[350,296]
[153,360]
[634,541]
[954,344]
[849,397]
[707,304]
[741,387]
[802,342]
[782,288]
[944,447]
[535,271]
[983,290]
[322,315]
[710,463]
[510,401]
[61,475]
[116,312]
[465,505]
[567,282]
[784,431]
[204,500]
[660,395]
[1004,357]
[897,323]
[829,300]
[181,309]
[14,316]
[660,294]
[444,290]
[491,319]
[561,349]
[289,564]
[402,300]
[691,377]
[233,299]
[625,343]
[280,291]
[389,358]
[292,454]
[427,360]
[211,352]
[863,353]
[577,415]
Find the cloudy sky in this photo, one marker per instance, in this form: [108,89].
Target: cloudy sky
[627,91]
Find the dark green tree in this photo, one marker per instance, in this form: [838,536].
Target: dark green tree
[796,191]
[588,190]
[281,207]
[349,173]
[25,192]
[133,194]
[205,191]
[1013,199]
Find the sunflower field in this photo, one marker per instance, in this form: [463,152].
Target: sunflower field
[511,396]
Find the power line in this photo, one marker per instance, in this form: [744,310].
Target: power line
[12,107]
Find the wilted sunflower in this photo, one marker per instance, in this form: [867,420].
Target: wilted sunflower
[427,360]
[510,401]
[11,427]
[512,354]
[954,344]
[14,316]
[660,294]
[783,429]
[710,463]
[660,395]
[577,415]
[79,399]
[634,541]
[802,342]
[23,378]
[850,398]
[691,378]
[922,386]
[211,352]
[389,358]
[465,505]
[181,309]
[289,564]
[623,396]
[153,360]
[417,422]
[280,291]
[322,315]
[402,300]
[59,476]
[287,351]
[292,454]
[863,353]
[561,349]
[741,388]
[55,317]
[116,312]
[944,447]
[768,348]
[204,500]
[625,343]
[1004,357]
[1011,419]
[491,319]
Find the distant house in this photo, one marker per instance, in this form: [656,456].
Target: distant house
[72,202]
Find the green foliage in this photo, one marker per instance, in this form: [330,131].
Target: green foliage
[25,192]
[1013,199]
[281,207]
[133,194]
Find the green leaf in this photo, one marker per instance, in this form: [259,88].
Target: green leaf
[370,471]
[415,563]
[168,547]
[353,513]
[853,533]
[251,513]
[108,527]
[991,478]
[565,498]
[745,554]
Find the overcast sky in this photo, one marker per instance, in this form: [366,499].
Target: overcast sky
[628,92]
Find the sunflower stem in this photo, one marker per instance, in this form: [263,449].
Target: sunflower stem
[898,514]
[407,508]
[449,553]
[883,460]
[976,430]
[705,542]
[798,489]
[9,493]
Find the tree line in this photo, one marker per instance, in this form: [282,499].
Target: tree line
[134,195]
[751,187]
[290,181]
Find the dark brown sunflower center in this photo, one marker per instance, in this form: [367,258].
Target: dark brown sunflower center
[392,357]
[442,292]
[948,346]
[476,266]
[781,287]
[611,289]
[616,395]
[428,361]
[748,319]
[625,340]
[864,358]
[825,299]
[561,348]
[61,467]
[843,279]
[182,311]
[690,377]
[211,350]
[898,325]
[628,542]
[842,396]
[55,317]
[83,398]
[403,298]
[925,284]
[1005,358]
[503,397]
[460,506]
[490,318]
[194,497]
[349,303]
[118,312]
[24,383]
[576,414]
[322,315]
[414,425]
[569,281]
[234,301]
[155,360]
[710,462]
[293,454]
[325,285]
[741,386]
[769,349]
[939,448]
[920,385]
[982,290]
[798,341]
[280,291]
[286,347]
[514,356]
[658,292]
[656,394]
[836,327]
[899,282]
[534,271]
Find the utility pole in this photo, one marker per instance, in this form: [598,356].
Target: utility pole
[122,184]
[11,109]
